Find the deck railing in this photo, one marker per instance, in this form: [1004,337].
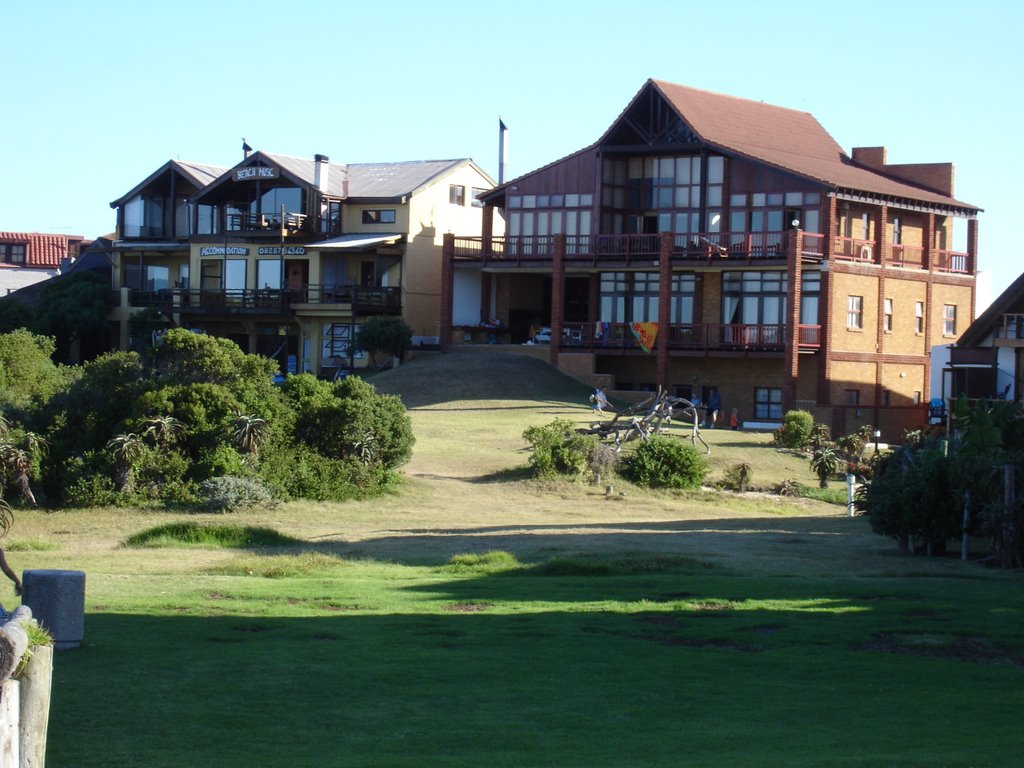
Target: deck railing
[268,299]
[769,337]
[1011,327]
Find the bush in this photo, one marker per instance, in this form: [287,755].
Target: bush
[664,462]
[796,429]
[301,472]
[559,450]
[738,477]
[230,493]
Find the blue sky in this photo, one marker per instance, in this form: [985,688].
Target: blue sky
[98,95]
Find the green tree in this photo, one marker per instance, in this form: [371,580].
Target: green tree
[15,314]
[28,375]
[826,461]
[74,305]
[250,434]
[388,336]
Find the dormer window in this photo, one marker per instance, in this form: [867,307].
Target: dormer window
[12,253]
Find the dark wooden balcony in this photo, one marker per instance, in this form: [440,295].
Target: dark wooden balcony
[364,300]
[725,249]
[706,337]
[1010,331]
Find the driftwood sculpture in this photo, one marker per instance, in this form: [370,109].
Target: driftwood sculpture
[648,418]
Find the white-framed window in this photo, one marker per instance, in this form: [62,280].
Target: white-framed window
[855,312]
[919,317]
[12,253]
[888,316]
[456,194]
[949,319]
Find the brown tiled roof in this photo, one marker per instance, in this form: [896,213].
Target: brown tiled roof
[43,250]
[787,139]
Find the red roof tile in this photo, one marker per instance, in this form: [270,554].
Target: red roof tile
[43,251]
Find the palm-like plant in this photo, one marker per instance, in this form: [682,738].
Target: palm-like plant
[164,431]
[250,434]
[18,458]
[825,462]
[126,448]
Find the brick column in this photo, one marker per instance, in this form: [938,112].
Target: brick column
[792,353]
[664,308]
[880,236]
[557,296]
[447,287]
[972,259]
[824,394]
[928,243]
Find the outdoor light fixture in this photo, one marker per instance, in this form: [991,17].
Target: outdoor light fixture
[878,434]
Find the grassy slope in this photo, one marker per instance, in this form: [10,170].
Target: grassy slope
[740,631]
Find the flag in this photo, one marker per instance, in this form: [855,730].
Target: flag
[245,146]
[645,334]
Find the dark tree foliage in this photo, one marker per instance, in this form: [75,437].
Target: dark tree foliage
[15,314]
[389,336]
[74,305]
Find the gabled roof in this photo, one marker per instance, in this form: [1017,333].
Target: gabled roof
[1009,301]
[42,250]
[394,180]
[198,174]
[787,139]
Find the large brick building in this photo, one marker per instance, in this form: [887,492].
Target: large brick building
[763,260]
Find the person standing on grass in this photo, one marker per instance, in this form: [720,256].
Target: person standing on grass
[600,399]
[713,407]
[734,419]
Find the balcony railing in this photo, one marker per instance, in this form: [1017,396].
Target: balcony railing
[373,299]
[1011,327]
[724,248]
[265,223]
[770,337]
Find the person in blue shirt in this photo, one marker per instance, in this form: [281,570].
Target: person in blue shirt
[714,405]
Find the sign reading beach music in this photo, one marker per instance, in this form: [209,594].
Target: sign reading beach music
[255,172]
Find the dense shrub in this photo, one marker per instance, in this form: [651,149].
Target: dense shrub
[390,336]
[301,472]
[231,493]
[559,450]
[665,462]
[796,429]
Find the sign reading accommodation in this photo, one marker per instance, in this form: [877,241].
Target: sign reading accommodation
[222,250]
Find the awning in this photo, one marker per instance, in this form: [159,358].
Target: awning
[354,242]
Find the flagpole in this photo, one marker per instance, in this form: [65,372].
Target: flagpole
[502,132]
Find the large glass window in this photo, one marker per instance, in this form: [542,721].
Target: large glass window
[684,291]
[234,274]
[754,297]
[268,273]
[810,291]
[144,217]
[143,277]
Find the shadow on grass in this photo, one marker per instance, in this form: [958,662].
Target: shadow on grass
[461,675]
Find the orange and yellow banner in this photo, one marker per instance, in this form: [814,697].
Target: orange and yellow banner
[645,334]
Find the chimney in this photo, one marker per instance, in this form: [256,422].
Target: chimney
[872,157]
[321,172]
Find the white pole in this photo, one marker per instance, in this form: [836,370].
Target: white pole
[849,494]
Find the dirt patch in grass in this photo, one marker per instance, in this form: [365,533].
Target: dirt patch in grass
[468,607]
[968,649]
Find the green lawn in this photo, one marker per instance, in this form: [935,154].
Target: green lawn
[644,629]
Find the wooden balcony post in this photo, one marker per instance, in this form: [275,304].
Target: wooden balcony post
[557,296]
[447,288]
[665,244]
[486,230]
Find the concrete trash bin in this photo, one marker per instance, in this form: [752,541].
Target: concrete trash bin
[57,600]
